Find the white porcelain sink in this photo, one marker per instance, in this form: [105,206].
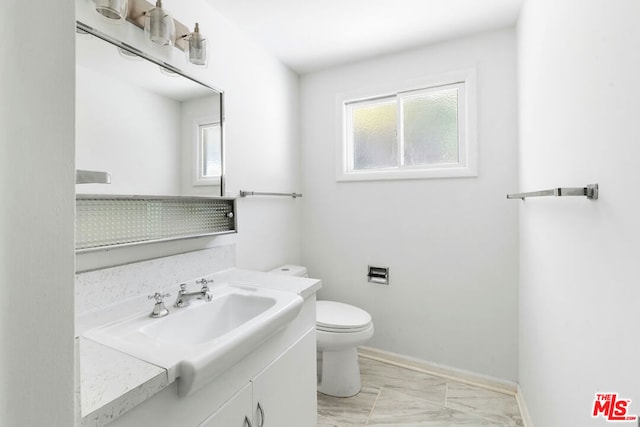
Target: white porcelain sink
[197,343]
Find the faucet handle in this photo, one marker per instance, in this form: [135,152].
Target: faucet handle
[183,288]
[205,291]
[159,296]
[204,283]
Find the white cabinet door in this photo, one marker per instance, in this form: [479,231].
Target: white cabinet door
[284,393]
[234,412]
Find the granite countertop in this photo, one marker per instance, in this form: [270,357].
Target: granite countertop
[112,382]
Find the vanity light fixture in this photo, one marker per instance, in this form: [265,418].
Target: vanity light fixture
[197,49]
[159,27]
[115,10]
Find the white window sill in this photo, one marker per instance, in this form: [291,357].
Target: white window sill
[201,182]
[383,175]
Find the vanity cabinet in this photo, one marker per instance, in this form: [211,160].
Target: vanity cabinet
[283,389]
[235,413]
[281,395]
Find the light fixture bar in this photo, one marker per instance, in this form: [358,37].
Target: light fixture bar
[92,31]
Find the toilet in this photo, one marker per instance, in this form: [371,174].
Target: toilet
[340,329]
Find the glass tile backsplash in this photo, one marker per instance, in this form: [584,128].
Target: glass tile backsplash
[105,221]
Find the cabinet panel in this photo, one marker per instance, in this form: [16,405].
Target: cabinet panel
[286,389]
[232,413]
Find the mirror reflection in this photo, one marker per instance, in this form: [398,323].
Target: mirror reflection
[155,131]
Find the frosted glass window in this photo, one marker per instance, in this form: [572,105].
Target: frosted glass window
[430,124]
[375,136]
[415,132]
[207,160]
[211,150]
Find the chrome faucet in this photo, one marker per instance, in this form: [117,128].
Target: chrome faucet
[159,309]
[184,297]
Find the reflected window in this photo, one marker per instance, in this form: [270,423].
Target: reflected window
[211,150]
[209,154]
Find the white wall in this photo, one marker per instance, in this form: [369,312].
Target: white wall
[36,213]
[130,132]
[261,119]
[579,293]
[451,244]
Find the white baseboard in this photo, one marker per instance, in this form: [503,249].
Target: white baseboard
[460,375]
[524,411]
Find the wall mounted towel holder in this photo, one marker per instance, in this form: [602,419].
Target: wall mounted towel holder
[590,192]
[257,193]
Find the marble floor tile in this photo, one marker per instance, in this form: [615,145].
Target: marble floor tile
[413,383]
[326,422]
[488,404]
[351,411]
[399,410]
[401,397]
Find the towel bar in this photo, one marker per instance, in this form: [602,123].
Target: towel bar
[257,193]
[590,192]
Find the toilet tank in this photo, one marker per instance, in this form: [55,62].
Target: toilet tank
[291,270]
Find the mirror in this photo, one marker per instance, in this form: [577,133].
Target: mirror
[155,130]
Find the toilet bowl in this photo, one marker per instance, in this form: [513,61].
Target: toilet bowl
[340,329]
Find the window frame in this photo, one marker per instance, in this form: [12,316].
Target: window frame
[198,168]
[463,80]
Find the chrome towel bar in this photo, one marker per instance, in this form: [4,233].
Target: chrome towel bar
[257,193]
[590,192]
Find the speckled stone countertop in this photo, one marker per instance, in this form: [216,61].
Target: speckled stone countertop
[112,382]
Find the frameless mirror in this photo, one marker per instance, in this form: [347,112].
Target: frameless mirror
[153,129]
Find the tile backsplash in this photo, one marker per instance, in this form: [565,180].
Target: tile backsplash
[97,289]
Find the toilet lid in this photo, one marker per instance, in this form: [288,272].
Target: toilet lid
[331,315]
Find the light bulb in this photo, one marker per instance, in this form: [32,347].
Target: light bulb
[115,10]
[197,52]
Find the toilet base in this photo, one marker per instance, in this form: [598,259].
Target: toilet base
[340,373]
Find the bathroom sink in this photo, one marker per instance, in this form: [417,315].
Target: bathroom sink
[203,323]
[197,343]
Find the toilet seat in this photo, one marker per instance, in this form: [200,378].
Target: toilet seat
[343,330]
[332,341]
[336,317]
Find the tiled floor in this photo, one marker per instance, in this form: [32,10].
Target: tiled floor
[393,396]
